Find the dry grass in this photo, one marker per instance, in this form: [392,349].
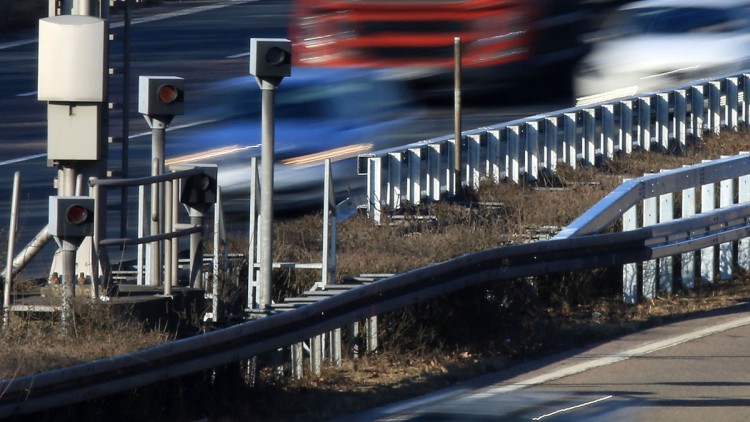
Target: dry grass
[38,343]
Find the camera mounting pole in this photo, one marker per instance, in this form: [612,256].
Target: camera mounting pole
[270,62]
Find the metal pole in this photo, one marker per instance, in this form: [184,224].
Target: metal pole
[29,251]
[67,253]
[217,257]
[125,141]
[175,252]
[266,193]
[168,227]
[196,250]
[457,113]
[11,243]
[156,211]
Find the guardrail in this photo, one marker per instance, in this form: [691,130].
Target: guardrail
[527,149]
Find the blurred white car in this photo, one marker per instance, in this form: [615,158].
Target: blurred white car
[648,45]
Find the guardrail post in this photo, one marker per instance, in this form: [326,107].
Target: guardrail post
[514,134]
[745,81]
[531,153]
[413,182]
[698,107]
[708,192]
[743,246]
[588,145]
[644,123]
[550,145]
[732,103]
[473,166]
[316,354]
[666,214]
[434,172]
[650,268]
[726,255]
[372,334]
[570,130]
[662,120]
[625,135]
[393,182]
[630,271]
[714,107]
[608,131]
[453,179]
[680,116]
[500,153]
[375,189]
[297,359]
[687,260]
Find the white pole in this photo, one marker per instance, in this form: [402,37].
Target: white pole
[11,243]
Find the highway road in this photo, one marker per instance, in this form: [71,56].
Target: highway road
[692,370]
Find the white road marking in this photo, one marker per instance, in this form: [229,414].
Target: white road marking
[21,159]
[567,409]
[137,21]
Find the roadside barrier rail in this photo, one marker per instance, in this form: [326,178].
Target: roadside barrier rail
[526,149]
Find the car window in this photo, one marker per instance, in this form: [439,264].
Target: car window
[345,100]
[680,20]
[353,99]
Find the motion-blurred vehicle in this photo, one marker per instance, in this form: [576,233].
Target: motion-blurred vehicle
[503,41]
[652,44]
[319,114]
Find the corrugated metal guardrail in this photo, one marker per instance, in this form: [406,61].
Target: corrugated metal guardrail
[578,247]
[528,148]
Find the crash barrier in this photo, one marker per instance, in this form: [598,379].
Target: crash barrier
[530,148]
[695,200]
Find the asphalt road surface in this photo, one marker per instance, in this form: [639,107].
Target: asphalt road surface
[693,370]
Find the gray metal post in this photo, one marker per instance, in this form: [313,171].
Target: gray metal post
[11,242]
[156,209]
[297,358]
[67,252]
[175,252]
[168,227]
[316,354]
[196,250]
[457,113]
[372,334]
[268,91]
